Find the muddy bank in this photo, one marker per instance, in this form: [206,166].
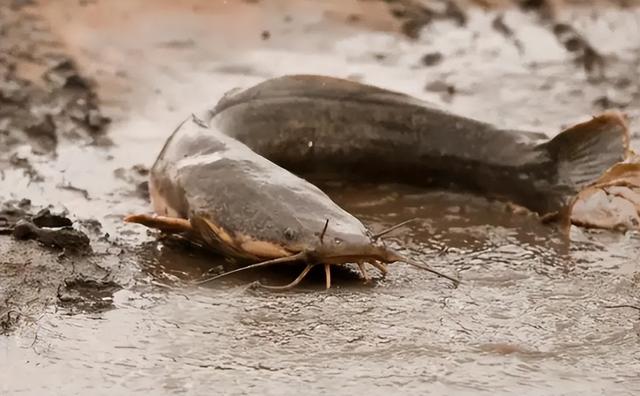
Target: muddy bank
[44,103]
[123,317]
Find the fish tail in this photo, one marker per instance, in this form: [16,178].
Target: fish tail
[585,151]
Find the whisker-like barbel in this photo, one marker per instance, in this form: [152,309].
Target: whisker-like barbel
[377,235]
[413,263]
[262,264]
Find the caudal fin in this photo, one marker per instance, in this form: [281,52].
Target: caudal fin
[584,152]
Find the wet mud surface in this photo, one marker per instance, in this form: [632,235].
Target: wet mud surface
[89,91]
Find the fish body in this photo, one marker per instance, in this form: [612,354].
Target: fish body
[316,124]
[228,177]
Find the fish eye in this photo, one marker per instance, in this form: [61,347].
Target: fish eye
[338,241]
[289,234]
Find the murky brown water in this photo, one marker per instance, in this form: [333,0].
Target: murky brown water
[530,317]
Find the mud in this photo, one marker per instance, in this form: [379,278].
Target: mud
[121,318]
[44,99]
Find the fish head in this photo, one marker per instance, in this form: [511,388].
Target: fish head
[344,240]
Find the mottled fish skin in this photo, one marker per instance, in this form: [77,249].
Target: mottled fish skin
[317,124]
[203,173]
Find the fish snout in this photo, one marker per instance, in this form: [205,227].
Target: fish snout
[342,251]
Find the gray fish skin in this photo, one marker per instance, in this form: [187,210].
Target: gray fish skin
[201,173]
[316,124]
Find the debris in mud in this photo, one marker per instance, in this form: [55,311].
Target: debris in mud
[432,59]
[66,238]
[8,320]
[43,132]
[11,212]
[544,8]
[266,35]
[138,176]
[636,307]
[446,91]
[380,56]
[23,163]
[91,226]
[440,86]
[586,55]
[612,208]
[354,18]
[501,27]
[70,187]
[65,75]
[613,202]
[415,15]
[617,99]
[87,295]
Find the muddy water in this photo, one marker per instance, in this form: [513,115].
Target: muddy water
[530,317]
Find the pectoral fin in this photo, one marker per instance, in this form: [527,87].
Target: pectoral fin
[172,225]
[218,239]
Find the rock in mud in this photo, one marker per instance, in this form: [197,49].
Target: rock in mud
[45,218]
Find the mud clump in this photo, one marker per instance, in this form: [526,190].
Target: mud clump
[65,238]
[87,295]
[137,176]
[32,278]
[44,260]
[50,229]
[91,226]
[11,212]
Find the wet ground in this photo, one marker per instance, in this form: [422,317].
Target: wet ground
[119,317]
